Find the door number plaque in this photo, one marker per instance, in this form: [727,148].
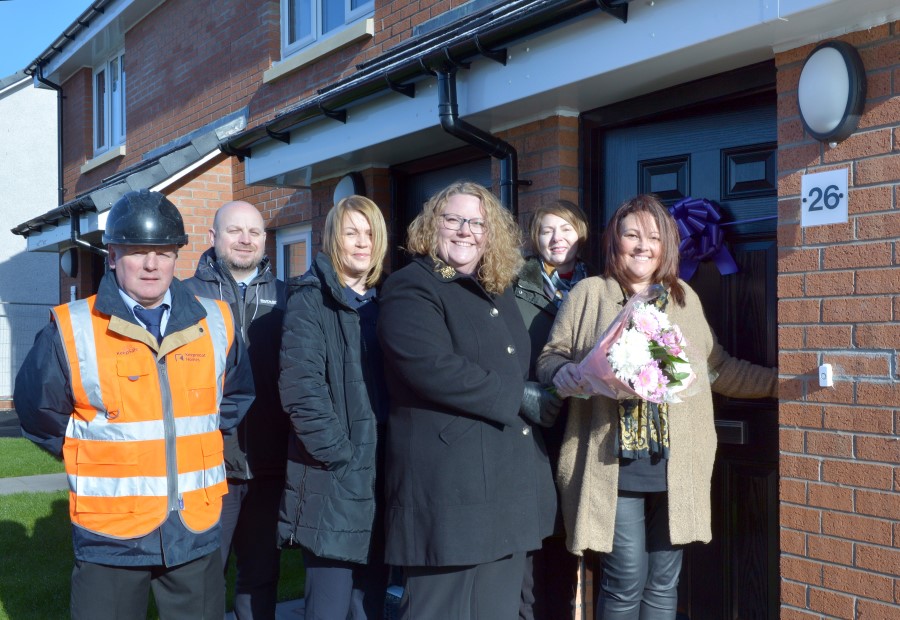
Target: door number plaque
[823,198]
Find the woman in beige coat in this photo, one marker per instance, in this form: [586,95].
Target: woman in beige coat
[639,502]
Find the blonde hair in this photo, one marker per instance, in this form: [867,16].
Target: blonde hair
[501,260]
[331,235]
[568,211]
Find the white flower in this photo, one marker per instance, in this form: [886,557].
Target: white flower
[629,354]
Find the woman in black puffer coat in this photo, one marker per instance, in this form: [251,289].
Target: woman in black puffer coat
[332,387]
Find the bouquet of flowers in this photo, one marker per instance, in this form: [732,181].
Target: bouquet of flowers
[640,355]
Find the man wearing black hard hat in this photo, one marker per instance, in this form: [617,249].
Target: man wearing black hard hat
[134,387]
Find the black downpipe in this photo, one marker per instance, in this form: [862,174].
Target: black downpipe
[448,110]
[74,221]
[60,189]
[75,230]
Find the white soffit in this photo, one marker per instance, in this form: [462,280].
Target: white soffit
[591,62]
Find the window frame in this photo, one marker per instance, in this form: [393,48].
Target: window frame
[111,104]
[351,15]
[288,236]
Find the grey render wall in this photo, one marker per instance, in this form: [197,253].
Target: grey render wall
[29,281]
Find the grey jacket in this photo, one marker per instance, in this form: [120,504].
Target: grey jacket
[259,446]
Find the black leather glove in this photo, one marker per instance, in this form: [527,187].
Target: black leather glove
[538,405]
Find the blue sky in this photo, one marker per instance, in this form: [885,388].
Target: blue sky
[28,27]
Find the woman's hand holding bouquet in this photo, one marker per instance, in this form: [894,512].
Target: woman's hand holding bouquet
[640,355]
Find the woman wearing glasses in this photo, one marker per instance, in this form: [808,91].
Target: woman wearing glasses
[468,491]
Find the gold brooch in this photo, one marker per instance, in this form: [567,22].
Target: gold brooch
[445,270]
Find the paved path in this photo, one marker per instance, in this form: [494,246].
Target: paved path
[34,484]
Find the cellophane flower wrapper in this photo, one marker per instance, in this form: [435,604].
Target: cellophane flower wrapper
[640,355]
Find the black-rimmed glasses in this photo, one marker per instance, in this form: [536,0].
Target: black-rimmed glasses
[451,221]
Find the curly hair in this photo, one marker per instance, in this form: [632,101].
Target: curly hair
[331,235]
[644,206]
[502,258]
[568,211]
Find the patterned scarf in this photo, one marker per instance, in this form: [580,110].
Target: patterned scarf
[644,426]
[557,287]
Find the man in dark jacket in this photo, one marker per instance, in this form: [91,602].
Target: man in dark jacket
[236,271]
[134,387]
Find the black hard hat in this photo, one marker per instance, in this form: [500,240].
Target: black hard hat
[144,218]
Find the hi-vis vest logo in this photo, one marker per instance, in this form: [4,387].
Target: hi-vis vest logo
[189,357]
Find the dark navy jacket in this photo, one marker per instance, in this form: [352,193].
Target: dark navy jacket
[329,503]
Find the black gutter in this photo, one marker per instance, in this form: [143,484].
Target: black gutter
[481,34]
[448,111]
[60,187]
[68,35]
[72,209]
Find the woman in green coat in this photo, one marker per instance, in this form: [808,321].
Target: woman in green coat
[557,235]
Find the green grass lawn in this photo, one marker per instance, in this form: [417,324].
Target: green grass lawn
[35,536]
[20,457]
[36,544]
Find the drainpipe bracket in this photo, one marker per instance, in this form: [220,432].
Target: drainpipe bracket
[281,136]
[619,11]
[499,55]
[337,115]
[408,90]
[241,154]
[454,63]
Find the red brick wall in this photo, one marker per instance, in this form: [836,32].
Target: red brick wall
[198,198]
[189,63]
[839,303]
[548,152]
[78,143]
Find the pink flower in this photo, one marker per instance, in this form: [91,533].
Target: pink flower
[646,323]
[672,340]
[650,383]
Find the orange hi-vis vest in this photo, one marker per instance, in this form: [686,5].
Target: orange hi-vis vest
[144,438]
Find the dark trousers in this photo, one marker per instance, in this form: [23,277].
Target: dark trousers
[249,521]
[337,590]
[489,591]
[640,574]
[551,578]
[193,590]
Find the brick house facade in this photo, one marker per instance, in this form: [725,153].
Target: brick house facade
[838,303]
[200,68]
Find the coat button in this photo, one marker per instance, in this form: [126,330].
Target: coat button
[511,350]
[526,430]
[494,312]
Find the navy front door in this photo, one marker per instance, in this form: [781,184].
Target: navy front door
[724,152]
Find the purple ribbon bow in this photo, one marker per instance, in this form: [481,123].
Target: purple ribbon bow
[701,236]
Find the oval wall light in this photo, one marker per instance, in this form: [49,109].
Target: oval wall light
[832,91]
[351,183]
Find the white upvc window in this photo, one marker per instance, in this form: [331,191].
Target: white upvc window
[109,104]
[294,245]
[304,22]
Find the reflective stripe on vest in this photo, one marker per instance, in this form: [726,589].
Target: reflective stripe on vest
[115,448]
